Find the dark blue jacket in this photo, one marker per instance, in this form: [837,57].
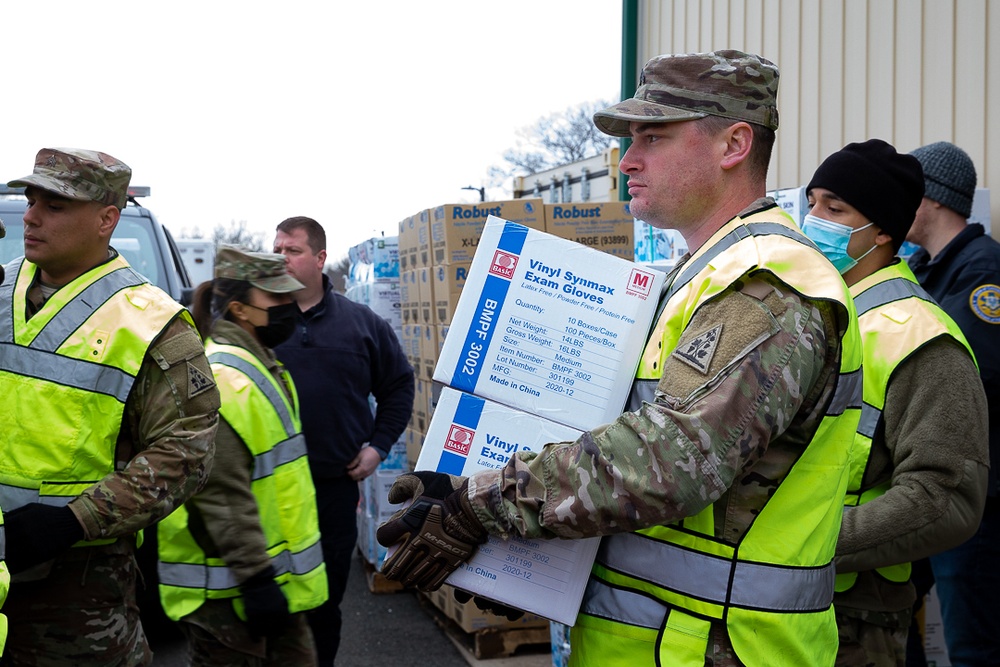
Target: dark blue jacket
[340,353]
[964,279]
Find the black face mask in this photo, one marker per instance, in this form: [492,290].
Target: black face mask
[280,325]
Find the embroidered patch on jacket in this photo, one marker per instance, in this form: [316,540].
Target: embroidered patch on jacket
[985,303]
[198,381]
[698,352]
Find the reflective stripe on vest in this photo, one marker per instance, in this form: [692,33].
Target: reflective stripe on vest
[264,384]
[721,580]
[894,289]
[683,567]
[897,317]
[221,578]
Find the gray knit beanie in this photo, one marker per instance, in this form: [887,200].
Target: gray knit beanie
[949,176]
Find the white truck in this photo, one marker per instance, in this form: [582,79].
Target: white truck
[198,256]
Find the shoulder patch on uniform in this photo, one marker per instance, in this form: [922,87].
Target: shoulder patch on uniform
[985,303]
[699,351]
[198,380]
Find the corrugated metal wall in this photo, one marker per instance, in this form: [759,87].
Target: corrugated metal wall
[906,71]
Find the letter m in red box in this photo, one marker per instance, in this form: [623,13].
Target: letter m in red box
[503,264]
[640,282]
[459,440]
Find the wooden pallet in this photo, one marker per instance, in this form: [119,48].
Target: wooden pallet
[492,642]
[377,583]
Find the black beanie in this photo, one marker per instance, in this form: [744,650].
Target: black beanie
[885,186]
[949,176]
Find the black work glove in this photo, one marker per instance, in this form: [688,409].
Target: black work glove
[436,534]
[265,605]
[490,606]
[37,533]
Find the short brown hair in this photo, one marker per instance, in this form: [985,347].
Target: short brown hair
[315,234]
[760,150]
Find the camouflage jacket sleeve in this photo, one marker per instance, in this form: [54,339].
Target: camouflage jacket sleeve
[936,454]
[228,525]
[705,430]
[167,441]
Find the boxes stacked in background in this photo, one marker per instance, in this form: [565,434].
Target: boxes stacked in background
[374,280]
[373,506]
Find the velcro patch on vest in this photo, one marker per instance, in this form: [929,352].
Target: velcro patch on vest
[198,380]
[698,352]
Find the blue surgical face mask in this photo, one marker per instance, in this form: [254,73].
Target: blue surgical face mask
[832,238]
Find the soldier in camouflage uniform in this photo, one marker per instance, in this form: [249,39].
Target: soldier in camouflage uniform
[241,561]
[920,463]
[112,425]
[720,493]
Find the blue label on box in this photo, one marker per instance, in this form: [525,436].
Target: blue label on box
[460,435]
[495,288]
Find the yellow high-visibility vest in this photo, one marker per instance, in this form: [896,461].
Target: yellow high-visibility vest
[654,594]
[71,368]
[255,406]
[896,317]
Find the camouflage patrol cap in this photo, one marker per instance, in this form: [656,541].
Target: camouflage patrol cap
[729,83]
[263,270]
[80,174]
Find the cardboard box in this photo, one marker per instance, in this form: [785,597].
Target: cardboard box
[374,509]
[456,228]
[408,242]
[605,226]
[428,351]
[422,224]
[449,281]
[410,340]
[414,441]
[544,577]
[384,299]
[385,258]
[408,296]
[433,398]
[421,399]
[443,330]
[549,326]
[425,291]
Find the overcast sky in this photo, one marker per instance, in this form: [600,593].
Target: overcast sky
[354,113]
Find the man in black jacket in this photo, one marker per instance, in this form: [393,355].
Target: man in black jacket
[959,265]
[340,354]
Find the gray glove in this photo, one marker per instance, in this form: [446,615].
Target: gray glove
[436,534]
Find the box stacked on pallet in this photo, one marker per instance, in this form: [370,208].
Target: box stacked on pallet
[373,509]
[373,279]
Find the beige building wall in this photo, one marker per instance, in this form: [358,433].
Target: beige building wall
[907,71]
